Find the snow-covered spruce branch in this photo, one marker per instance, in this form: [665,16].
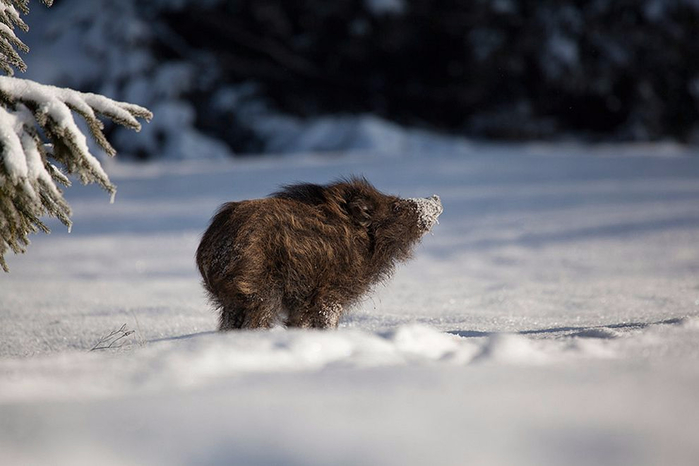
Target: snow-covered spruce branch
[9,42]
[36,126]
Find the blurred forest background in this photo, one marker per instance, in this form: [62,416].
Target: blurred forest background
[228,77]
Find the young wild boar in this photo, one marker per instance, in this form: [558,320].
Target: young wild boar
[303,255]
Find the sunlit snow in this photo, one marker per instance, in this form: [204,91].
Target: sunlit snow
[551,317]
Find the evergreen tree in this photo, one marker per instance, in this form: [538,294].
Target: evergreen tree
[38,133]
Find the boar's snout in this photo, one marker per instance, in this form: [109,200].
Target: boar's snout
[435,199]
[428,209]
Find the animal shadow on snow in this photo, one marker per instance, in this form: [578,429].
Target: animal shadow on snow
[609,331]
[184,337]
[597,331]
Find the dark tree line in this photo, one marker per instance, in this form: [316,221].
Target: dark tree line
[513,69]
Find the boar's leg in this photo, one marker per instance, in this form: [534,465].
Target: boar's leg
[322,315]
[249,313]
[231,318]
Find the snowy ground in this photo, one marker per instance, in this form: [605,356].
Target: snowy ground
[551,319]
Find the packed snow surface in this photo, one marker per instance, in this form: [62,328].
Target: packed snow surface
[550,318]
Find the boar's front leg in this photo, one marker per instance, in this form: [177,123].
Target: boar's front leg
[322,315]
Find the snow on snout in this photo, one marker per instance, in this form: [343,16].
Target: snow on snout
[428,208]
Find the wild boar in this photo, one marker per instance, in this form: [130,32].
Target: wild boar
[307,253]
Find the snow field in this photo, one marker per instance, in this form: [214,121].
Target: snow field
[550,318]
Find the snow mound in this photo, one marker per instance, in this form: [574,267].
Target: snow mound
[511,349]
[424,342]
[200,360]
[197,360]
[362,133]
[689,322]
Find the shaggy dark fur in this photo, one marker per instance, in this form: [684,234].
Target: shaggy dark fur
[306,253]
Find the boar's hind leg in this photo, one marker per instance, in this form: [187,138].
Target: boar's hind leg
[250,313]
[231,318]
[323,315]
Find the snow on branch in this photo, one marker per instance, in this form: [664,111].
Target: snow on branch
[9,42]
[36,126]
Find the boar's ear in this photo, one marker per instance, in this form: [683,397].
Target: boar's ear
[359,210]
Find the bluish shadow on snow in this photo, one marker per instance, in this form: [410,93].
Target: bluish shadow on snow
[183,337]
[535,240]
[598,331]
[527,199]
[491,180]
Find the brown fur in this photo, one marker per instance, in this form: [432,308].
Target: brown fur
[306,253]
